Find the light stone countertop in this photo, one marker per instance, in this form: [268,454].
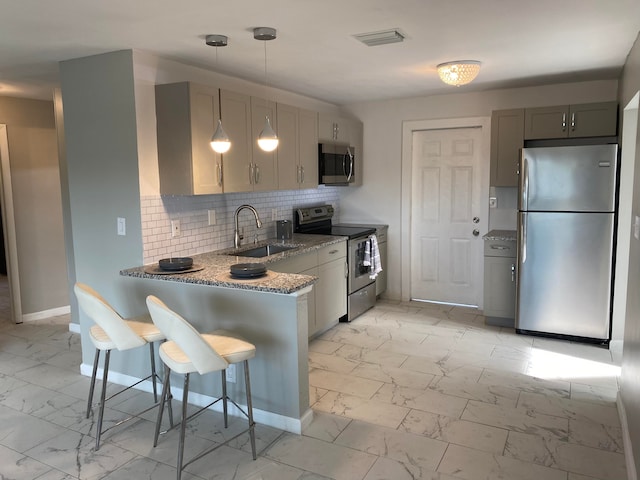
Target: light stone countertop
[215,271]
[502,235]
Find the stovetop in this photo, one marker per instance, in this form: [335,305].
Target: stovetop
[317,220]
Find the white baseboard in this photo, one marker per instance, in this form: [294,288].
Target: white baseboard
[626,438]
[54,312]
[289,424]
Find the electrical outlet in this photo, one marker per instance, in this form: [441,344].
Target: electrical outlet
[122,226]
[493,202]
[274,214]
[231,373]
[212,217]
[175,228]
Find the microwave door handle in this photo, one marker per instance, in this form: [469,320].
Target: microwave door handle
[350,155]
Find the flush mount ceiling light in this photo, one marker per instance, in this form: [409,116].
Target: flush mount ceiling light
[220,141]
[459,72]
[267,140]
[373,39]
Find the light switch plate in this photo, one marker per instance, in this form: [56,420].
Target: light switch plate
[636,227]
[175,228]
[231,373]
[122,226]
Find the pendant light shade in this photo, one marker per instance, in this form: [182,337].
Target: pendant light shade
[267,140]
[459,72]
[220,141]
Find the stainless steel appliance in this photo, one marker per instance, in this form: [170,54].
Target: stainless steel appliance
[336,164]
[566,225]
[361,289]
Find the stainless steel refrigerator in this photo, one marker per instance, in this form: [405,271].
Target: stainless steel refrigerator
[566,224]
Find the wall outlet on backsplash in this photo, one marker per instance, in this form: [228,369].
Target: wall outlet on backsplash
[175,228]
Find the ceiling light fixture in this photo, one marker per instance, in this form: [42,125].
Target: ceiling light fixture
[267,140]
[459,72]
[220,141]
[373,39]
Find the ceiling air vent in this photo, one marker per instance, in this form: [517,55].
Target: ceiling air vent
[373,39]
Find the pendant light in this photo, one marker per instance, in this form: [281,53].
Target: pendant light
[267,140]
[220,141]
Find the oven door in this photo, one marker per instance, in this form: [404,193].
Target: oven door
[358,271]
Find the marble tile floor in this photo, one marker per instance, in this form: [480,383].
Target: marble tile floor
[406,391]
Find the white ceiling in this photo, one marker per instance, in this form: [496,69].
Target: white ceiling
[519,42]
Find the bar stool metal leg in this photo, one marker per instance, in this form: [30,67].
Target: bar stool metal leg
[105,374]
[252,433]
[183,426]
[96,358]
[166,391]
[224,396]
[153,373]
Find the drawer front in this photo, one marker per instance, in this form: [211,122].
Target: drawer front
[332,252]
[297,264]
[500,248]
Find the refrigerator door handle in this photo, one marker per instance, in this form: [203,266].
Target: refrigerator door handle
[524,193]
[523,238]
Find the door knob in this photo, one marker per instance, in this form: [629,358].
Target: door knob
[475,232]
[476,220]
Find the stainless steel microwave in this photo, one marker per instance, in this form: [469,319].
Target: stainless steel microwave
[336,164]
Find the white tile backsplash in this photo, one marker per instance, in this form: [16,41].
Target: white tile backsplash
[198,237]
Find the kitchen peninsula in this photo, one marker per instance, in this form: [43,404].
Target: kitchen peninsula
[270,312]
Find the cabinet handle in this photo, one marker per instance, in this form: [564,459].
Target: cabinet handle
[332,252]
[499,247]
[297,173]
[301,174]
[251,173]
[513,272]
[573,121]
[256,171]
[346,270]
[564,122]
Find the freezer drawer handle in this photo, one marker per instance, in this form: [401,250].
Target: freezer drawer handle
[604,164]
[499,247]
[513,272]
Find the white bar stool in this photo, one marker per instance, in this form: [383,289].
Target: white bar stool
[114,332]
[187,351]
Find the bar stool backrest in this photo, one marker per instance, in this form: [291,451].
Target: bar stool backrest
[99,310]
[204,358]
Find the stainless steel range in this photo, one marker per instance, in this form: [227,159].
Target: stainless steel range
[361,288]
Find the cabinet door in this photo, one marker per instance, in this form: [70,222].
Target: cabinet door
[499,287]
[207,164]
[308,151]
[333,128]
[546,122]
[593,120]
[507,139]
[265,170]
[186,116]
[331,293]
[235,111]
[288,168]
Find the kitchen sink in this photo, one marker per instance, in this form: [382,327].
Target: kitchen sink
[263,251]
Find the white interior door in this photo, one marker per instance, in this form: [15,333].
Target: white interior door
[446,246]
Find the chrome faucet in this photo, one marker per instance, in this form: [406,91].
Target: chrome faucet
[237,238]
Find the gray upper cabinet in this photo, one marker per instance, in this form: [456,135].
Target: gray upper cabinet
[333,128]
[571,121]
[507,138]
[264,172]
[298,148]
[236,120]
[186,117]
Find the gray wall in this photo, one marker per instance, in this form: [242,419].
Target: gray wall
[37,203]
[102,173]
[630,379]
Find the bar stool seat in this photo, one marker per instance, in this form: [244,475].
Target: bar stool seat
[113,332]
[187,351]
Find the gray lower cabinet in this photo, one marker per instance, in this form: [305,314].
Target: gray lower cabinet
[328,300]
[500,282]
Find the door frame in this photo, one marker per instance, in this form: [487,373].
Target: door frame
[408,128]
[9,230]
